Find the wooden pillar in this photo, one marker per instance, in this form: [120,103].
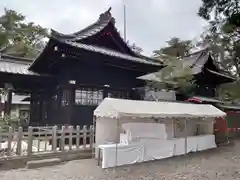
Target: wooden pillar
[41,119]
[105,92]
[67,109]
[35,109]
[32,108]
[1,106]
[8,102]
[71,97]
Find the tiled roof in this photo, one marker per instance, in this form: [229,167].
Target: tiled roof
[104,20]
[194,61]
[110,52]
[155,77]
[221,74]
[15,65]
[76,40]
[89,31]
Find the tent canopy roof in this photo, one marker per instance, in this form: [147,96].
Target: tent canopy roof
[116,108]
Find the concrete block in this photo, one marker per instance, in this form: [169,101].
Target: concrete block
[12,164]
[43,163]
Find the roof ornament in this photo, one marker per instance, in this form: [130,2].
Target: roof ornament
[107,16]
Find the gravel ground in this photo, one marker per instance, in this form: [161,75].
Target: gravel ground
[219,164]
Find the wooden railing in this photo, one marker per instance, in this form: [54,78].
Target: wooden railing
[37,140]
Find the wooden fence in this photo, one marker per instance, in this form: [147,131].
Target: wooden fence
[49,139]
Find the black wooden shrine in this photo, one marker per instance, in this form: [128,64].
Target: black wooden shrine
[75,72]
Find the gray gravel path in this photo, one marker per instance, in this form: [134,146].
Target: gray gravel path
[219,164]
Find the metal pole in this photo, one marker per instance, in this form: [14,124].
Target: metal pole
[118,133]
[174,128]
[185,136]
[174,135]
[125,24]
[93,137]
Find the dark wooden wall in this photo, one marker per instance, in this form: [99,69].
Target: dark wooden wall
[87,75]
[97,74]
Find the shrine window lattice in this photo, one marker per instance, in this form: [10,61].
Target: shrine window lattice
[88,96]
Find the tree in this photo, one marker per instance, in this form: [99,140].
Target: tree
[175,47]
[225,13]
[18,37]
[175,75]
[7,121]
[230,92]
[224,47]
[135,48]
[223,36]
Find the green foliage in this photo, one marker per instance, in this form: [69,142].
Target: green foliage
[8,121]
[230,92]
[17,37]
[225,49]
[225,12]
[175,47]
[223,36]
[175,75]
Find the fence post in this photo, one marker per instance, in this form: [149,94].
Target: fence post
[78,137]
[19,141]
[70,137]
[54,138]
[91,136]
[84,136]
[62,138]
[10,137]
[30,140]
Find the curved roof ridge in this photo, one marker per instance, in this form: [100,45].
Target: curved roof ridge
[104,19]
[204,49]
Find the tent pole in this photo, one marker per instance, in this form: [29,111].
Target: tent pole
[118,133]
[174,135]
[185,136]
[174,128]
[93,138]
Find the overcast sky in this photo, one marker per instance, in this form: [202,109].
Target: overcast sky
[150,23]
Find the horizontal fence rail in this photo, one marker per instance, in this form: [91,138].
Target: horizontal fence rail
[49,139]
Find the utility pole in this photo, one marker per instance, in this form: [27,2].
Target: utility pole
[125,30]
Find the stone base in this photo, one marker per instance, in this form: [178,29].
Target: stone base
[43,163]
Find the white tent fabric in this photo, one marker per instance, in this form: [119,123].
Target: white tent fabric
[141,130]
[116,108]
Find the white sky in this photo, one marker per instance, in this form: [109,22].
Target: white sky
[150,23]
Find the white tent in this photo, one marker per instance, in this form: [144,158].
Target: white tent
[116,108]
[111,114]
